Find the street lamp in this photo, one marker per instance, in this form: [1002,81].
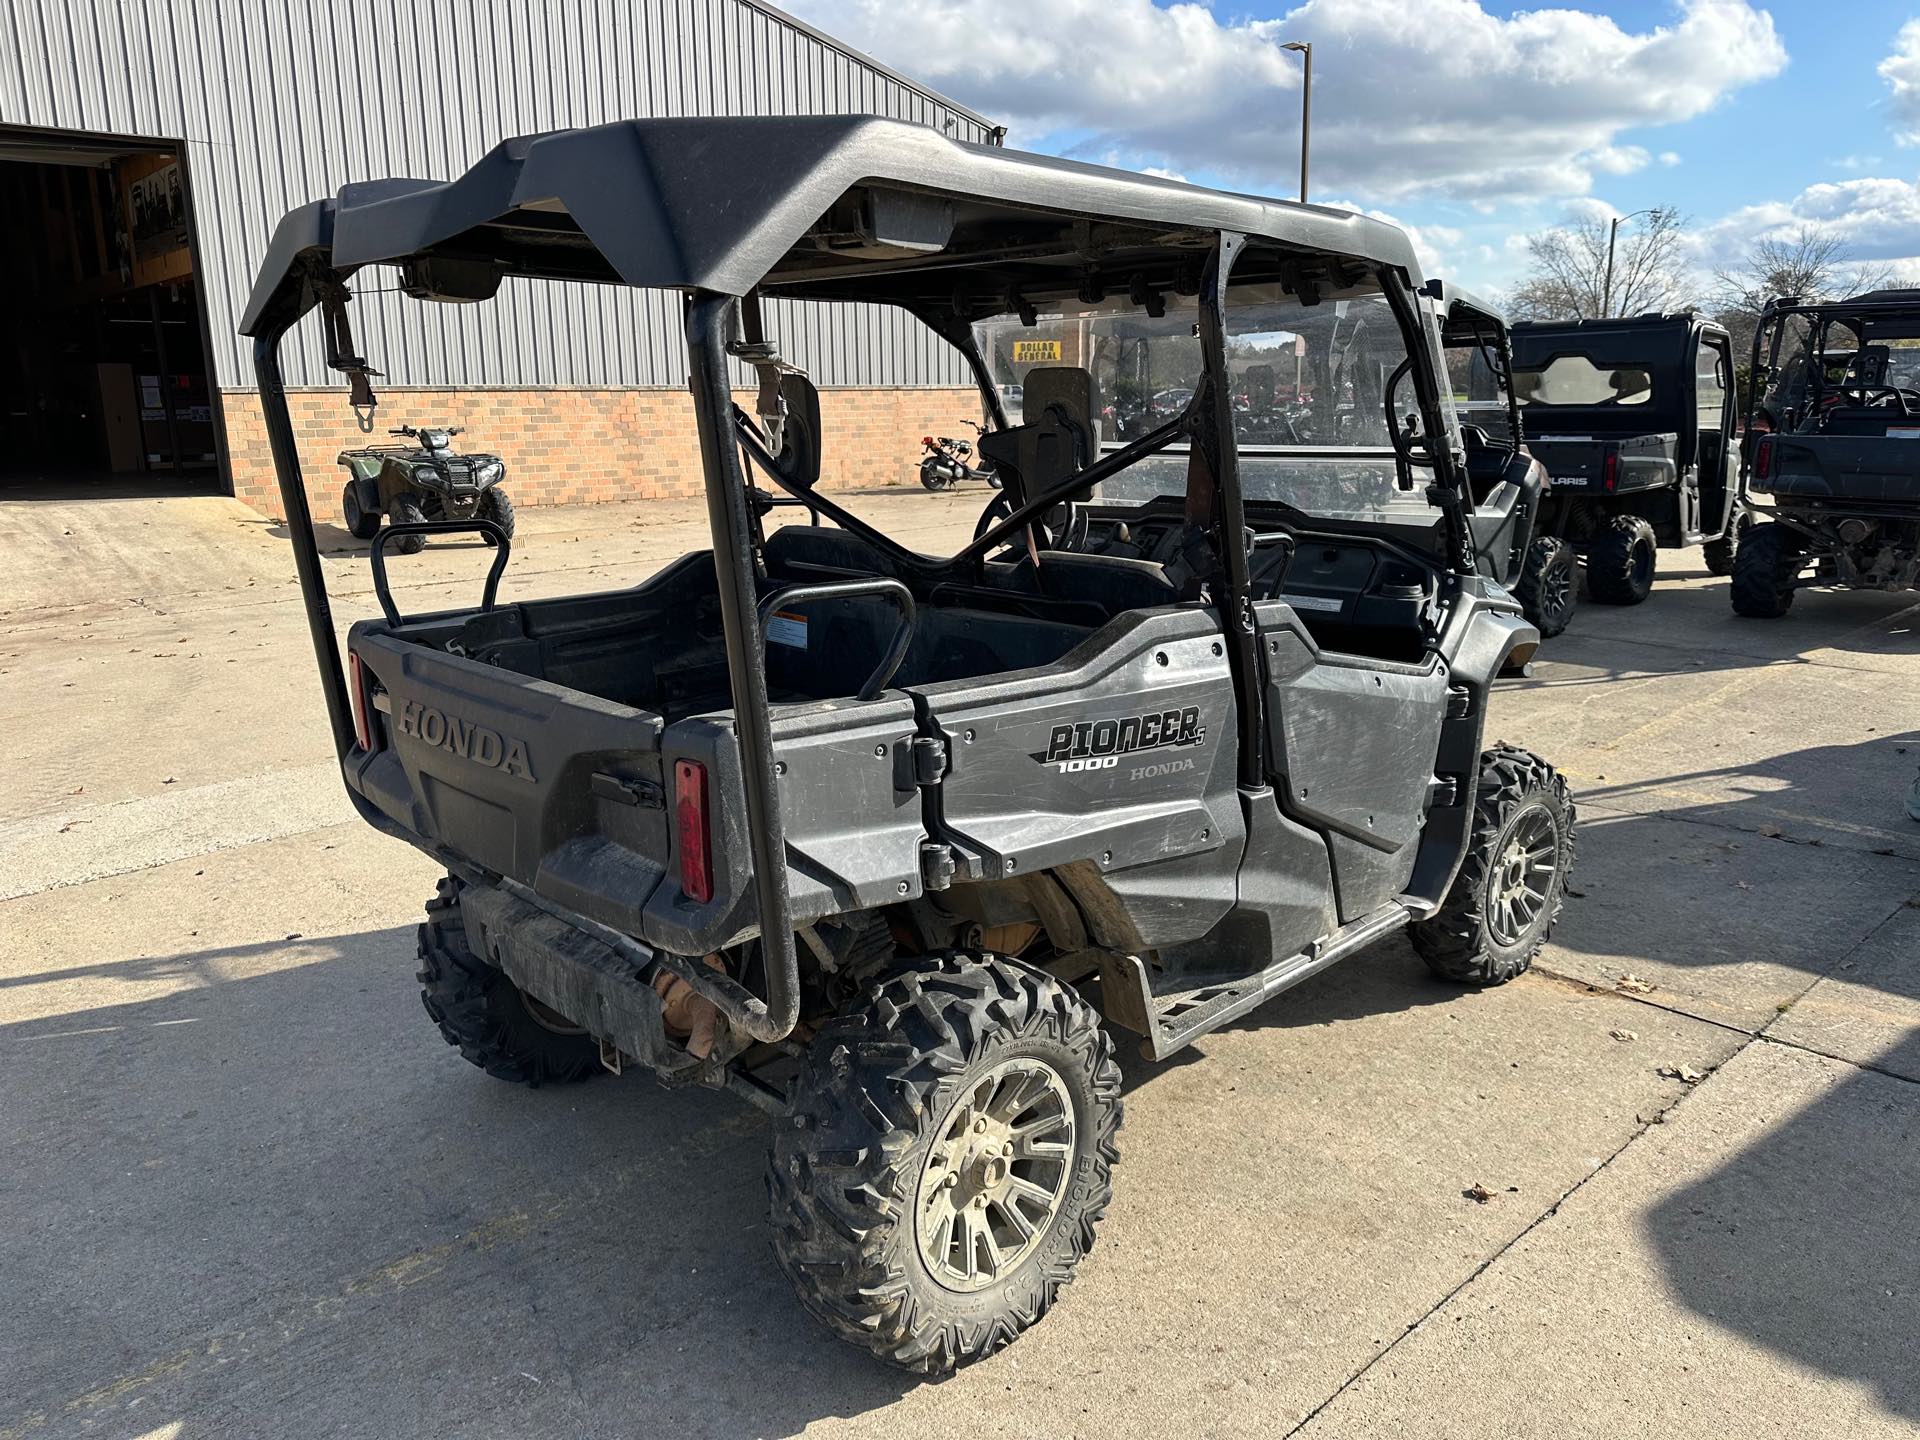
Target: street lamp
[1613,235]
[1305,48]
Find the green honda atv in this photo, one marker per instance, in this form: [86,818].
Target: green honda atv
[430,482]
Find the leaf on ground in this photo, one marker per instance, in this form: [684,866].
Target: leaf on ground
[1741,885]
[1572,893]
[1631,984]
[1624,1034]
[1477,1193]
[1686,1074]
[1772,832]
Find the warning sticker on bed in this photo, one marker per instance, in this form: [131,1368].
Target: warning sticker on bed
[786,628]
[1312,602]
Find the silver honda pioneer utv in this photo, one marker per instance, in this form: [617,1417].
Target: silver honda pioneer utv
[886,842]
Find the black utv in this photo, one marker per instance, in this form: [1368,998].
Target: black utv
[1833,447]
[884,841]
[1508,484]
[1634,420]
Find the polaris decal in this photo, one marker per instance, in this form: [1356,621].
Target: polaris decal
[1099,744]
[466,739]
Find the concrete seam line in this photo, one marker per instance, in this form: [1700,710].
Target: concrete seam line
[1751,1039]
[1845,955]
[1531,1226]
[1818,1053]
[1674,1010]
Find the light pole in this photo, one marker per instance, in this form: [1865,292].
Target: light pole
[1305,47]
[1613,235]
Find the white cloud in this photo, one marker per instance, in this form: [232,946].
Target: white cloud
[1876,219]
[1901,71]
[1435,99]
[1670,157]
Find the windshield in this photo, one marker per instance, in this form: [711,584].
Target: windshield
[1308,390]
[1569,380]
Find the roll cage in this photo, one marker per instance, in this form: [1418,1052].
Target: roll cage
[1876,316]
[839,209]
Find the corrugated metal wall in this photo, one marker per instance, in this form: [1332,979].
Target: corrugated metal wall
[283,101]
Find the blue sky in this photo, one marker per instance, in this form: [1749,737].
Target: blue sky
[1473,122]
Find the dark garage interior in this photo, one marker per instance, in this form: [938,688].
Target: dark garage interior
[104,383]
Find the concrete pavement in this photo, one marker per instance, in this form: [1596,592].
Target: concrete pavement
[253,1193]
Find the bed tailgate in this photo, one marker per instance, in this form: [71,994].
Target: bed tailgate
[548,785]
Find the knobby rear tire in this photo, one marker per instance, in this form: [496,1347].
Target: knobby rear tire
[1621,561]
[1764,569]
[848,1161]
[482,1013]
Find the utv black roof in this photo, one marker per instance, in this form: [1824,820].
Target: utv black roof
[823,207]
[1647,319]
[1464,315]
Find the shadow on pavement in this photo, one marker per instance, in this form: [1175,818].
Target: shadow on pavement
[267,1195]
[1803,1241]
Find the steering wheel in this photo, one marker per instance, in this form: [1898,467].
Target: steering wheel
[1063,527]
[1867,396]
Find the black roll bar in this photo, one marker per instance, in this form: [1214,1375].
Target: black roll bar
[306,554]
[729,517]
[387,533]
[893,590]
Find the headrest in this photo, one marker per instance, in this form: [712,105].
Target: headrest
[1067,387]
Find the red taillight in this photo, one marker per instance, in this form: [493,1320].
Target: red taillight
[926,439]
[357,689]
[690,820]
[1763,457]
[1610,470]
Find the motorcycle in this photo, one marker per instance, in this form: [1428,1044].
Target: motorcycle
[949,461]
[427,481]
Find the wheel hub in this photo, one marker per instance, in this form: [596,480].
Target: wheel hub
[1520,881]
[996,1176]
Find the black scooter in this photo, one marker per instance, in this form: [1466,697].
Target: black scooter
[949,461]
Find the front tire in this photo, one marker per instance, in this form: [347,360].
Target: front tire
[1549,585]
[1509,890]
[1768,562]
[495,506]
[405,510]
[1621,561]
[946,1153]
[485,1015]
[1722,554]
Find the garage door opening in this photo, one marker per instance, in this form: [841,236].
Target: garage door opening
[104,383]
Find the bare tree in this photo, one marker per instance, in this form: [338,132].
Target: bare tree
[1807,263]
[1570,275]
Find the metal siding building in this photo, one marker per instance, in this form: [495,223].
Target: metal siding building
[272,103]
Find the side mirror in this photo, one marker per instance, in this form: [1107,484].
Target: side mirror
[799,457]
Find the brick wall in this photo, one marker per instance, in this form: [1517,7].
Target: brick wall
[582,447]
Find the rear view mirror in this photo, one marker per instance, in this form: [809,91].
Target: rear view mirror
[449,282]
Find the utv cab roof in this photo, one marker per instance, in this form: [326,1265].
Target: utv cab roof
[1464,316]
[845,207]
